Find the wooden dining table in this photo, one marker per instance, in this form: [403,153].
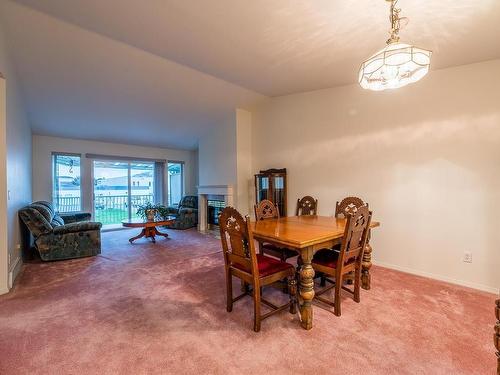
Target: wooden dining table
[306,235]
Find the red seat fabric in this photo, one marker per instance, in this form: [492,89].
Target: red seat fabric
[267,265]
[328,258]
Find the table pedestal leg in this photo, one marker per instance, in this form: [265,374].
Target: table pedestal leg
[140,235]
[158,233]
[306,289]
[149,232]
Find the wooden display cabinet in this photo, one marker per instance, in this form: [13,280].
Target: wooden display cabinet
[271,184]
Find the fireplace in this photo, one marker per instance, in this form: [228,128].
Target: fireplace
[215,205]
[211,201]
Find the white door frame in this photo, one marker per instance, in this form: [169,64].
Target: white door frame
[4,251]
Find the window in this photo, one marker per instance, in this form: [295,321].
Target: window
[175,182]
[67,191]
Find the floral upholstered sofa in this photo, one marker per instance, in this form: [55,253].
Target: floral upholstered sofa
[63,236]
[186,214]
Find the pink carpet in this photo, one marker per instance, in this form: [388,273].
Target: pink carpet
[160,309]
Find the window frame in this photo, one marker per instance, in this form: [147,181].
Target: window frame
[54,156]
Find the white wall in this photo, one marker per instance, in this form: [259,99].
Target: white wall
[225,157]
[244,171]
[43,147]
[426,157]
[15,170]
[217,154]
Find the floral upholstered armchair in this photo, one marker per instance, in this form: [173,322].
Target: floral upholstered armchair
[63,236]
[186,215]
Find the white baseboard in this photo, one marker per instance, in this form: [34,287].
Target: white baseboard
[484,288]
[4,291]
[14,271]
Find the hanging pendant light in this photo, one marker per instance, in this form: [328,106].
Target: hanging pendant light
[398,64]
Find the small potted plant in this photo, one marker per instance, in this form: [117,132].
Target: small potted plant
[147,211]
[150,211]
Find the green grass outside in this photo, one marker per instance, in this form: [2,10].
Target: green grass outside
[111,216]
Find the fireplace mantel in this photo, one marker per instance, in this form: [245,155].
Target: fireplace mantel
[215,190]
[203,192]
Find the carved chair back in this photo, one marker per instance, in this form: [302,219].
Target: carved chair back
[266,209]
[307,206]
[355,237]
[348,205]
[237,241]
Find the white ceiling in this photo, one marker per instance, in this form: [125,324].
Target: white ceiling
[79,84]
[123,72]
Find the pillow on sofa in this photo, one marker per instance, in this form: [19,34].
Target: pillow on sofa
[57,221]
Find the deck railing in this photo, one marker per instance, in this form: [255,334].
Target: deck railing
[108,209]
[68,204]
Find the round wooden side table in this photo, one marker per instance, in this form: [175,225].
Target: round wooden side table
[148,227]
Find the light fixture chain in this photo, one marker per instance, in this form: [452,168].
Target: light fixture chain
[395,21]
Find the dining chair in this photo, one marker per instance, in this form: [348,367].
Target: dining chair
[348,204]
[348,259]
[264,210]
[257,270]
[306,206]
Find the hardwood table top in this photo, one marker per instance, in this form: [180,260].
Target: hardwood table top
[140,223]
[301,231]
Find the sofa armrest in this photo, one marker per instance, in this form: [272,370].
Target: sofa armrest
[77,227]
[189,214]
[75,217]
[172,210]
[187,210]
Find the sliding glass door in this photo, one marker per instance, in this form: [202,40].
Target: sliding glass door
[120,188]
[142,190]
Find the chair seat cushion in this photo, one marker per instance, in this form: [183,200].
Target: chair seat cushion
[279,250]
[267,265]
[328,258]
[77,227]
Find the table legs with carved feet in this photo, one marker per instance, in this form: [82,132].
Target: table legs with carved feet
[306,289]
[496,337]
[365,268]
[366,265]
[149,232]
[292,290]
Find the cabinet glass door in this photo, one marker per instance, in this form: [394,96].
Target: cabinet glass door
[263,188]
[279,193]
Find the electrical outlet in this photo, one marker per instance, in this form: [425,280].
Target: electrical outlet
[468,257]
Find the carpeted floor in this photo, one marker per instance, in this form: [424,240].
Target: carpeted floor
[160,309]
